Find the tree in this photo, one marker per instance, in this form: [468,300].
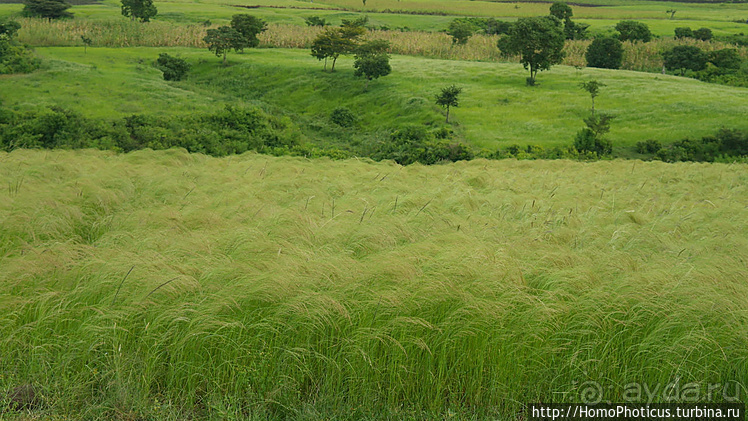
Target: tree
[372,60]
[249,26]
[333,42]
[49,9]
[86,43]
[704,34]
[726,58]
[538,41]
[448,98]
[631,30]
[606,53]
[671,12]
[561,11]
[142,10]
[593,87]
[223,39]
[683,32]
[685,57]
[460,30]
[174,68]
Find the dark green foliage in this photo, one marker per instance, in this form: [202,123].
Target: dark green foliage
[704,34]
[723,146]
[533,152]
[174,68]
[538,41]
[648,146]
[685,57]
[14,57]
[224,39]
[142,10]
[372,61]
[9,29]
[228,131]
[315,21]
[343,117]
[448,98]
[591,139]
[491,26]
[563,13]
[606,53]
[726,58]
[630,30]
[683,32]
[249,26]
[412,143]
[49,9]
[460,30]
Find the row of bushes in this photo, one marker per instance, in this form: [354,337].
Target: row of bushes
[724,146]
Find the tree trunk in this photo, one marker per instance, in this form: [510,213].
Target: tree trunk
[447,114]
[224,58]
[593,106]
[334,59]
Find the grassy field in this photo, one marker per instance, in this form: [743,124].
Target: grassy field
[164,285]
[435,15]
[496,108]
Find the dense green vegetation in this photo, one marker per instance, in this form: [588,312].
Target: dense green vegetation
[168,285]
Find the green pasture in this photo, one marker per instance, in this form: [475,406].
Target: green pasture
[496,108]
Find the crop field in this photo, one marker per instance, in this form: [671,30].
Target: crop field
[168,285]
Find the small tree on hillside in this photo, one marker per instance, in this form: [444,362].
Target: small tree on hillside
[249,26]
[372,60]
[538,41]
[48,9]
[333,42]
[448,98]
[671,12]
[630,30]
[460,30]
[605,53]
[86,43]
[142,10]
[593,87]
[592,139]
[223,39]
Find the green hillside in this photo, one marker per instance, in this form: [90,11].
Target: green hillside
[497,110]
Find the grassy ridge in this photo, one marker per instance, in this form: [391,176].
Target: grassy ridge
[269,288]
[496,108]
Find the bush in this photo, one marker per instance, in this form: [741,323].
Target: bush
[412,143]
[648,146]
[343,117]
[683,32]
[685,57]
[315,21]
[723,145]
[460,30]
[15,58]
[629,30]
[606,53]
[587,141]
[704,34]
[174,68]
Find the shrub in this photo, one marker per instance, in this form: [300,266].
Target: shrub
[684,32]
[704,34]
[343,117]
[685,57]
[630,30]
[412,143]
[15,58]
[315,21]
[648,146]
[174,68]
[606,53]
[460,30]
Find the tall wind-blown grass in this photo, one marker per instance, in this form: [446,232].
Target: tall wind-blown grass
[126,33]
[164,285]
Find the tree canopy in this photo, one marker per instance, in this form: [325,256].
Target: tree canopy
[685,57]
[223,39]
[448,98]
[142,10]
[606,53]
[372,61]
[49,9]
[249,26]
[631,30]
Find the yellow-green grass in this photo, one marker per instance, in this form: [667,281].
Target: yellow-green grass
[164,285]
[496,108]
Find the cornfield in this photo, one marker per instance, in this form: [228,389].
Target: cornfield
[125,33]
